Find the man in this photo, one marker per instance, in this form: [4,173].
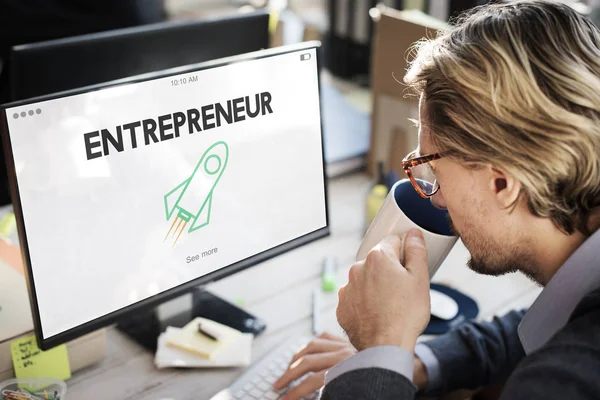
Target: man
[510,109]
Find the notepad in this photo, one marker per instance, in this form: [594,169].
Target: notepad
[189,339]
[237,354]
[31,362]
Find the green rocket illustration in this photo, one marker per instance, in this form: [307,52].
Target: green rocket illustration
[191,200]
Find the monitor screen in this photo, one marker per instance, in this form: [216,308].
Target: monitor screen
[128,194]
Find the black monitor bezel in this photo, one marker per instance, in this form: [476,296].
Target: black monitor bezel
[153,301]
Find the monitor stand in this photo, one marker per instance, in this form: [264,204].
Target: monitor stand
[145,327]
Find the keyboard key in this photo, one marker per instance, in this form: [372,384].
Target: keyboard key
[256,380]
[277,373]
[264,373]
[271,379]
[240,395]
[264,386]
[271,396]
[248,387]
[279,361]
[257,394]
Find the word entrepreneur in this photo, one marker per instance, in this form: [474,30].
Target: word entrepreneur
[169,126]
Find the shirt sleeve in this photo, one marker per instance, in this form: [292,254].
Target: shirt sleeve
[393,358]
[432,365]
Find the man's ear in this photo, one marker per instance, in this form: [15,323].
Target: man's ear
[505,187]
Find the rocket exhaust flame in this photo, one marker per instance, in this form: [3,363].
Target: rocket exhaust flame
[180,231]
[177,231]
[171,228]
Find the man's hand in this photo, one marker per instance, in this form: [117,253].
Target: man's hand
[317,357]
[385,303]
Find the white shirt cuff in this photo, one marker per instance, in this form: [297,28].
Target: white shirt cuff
[432,365]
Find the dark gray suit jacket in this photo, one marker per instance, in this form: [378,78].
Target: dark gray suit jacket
[479,354]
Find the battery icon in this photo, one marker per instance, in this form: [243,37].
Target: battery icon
[305,57]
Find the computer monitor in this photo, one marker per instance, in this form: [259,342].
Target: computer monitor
[131,193]
[56,65]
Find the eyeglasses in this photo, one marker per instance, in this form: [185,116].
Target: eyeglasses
[421,174]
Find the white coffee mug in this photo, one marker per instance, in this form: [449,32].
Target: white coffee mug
[404,209]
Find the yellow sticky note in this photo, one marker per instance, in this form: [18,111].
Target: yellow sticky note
[31,362]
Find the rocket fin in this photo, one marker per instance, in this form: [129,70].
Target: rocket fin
[172,198]
[203,217]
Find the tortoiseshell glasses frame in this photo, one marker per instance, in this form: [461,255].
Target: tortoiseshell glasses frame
[409,162]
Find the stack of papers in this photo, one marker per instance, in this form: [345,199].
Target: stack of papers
[185,347]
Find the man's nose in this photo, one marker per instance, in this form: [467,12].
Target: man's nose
[438,200]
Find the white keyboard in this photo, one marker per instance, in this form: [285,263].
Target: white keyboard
[257,382]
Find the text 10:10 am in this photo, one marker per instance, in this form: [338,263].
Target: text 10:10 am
[184,80]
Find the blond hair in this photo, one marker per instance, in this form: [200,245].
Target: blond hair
[517,85]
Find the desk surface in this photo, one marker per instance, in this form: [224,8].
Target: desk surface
[281,294]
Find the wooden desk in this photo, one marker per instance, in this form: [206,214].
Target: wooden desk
[279,291]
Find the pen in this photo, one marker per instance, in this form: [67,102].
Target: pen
[315,312]
[204,331]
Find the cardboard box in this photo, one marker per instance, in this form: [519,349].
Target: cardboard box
[311,32]
[401,140]
[393,135]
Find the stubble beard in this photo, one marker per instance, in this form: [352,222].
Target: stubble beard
[488,257]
